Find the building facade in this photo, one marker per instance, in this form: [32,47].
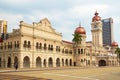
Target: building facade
[107,27]
[38,45]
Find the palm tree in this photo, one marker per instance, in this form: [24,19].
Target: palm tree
[76,40]
[117,51]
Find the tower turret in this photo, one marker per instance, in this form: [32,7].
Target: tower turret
[96,29]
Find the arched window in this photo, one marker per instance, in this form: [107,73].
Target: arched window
[49,47]
[62,50]
[11,45]
[37,45]
[18,44]
[25,44]
[29,45]
[56,48]
[45,46]
[52,47]
[15,44]
[66,50]
[70,51]
[81,51]
[59,48]
[78,51]
[40,46]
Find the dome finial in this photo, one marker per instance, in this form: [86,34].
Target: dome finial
[96,17]
[79,24]
[96,13]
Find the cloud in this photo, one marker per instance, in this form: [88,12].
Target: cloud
[12,19]
[64,15]
[16,2]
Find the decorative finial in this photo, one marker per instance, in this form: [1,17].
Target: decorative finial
[96,13]
[79,24]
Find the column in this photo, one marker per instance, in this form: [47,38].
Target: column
[20,64]
[54,64]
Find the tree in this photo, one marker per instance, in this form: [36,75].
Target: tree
[76,40]
[117,51]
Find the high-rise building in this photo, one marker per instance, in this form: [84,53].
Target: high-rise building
[107,31]
[3,26]
[3,29]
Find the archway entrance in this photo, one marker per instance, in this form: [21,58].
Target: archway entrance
[26,63]
[9,62]
[66,62]
[57,62]
[62,62]
[102,63]
[38,62]
[44,63]
[15,61]
[50,62]
[70,62]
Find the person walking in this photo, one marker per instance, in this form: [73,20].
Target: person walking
[16,66]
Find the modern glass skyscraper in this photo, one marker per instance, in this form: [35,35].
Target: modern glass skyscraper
[107,31]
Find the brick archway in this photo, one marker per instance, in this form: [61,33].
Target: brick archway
[102,63]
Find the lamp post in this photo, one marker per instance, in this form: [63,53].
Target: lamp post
[33,65]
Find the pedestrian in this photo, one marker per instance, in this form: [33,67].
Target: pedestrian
[16,66]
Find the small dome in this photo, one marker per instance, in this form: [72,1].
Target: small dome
[114,44]
[80,30]
[96,17]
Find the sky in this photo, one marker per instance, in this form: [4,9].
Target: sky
[64,15]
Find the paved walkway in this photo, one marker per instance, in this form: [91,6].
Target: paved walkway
[18,77]
[66,73]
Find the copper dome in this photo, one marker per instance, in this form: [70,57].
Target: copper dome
[80,30]
[96,17]
[114,44]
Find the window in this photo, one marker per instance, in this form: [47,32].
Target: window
[59,48]
[29,45]
[40,46]
[11,45]
[25,44]
[37,45]
[49,47]
[45,46]
[52,47]
[66,50]
[62,50]
[70,51]
[15,45]
[81,51]
[56,48]
[18,44]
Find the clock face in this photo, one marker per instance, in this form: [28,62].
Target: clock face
[95,26]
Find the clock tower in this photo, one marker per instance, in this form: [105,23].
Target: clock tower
[96,29]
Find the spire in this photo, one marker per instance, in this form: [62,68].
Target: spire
[96,17]
[96,13]
[79,24]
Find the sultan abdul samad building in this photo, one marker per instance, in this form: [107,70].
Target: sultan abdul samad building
[39,45]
